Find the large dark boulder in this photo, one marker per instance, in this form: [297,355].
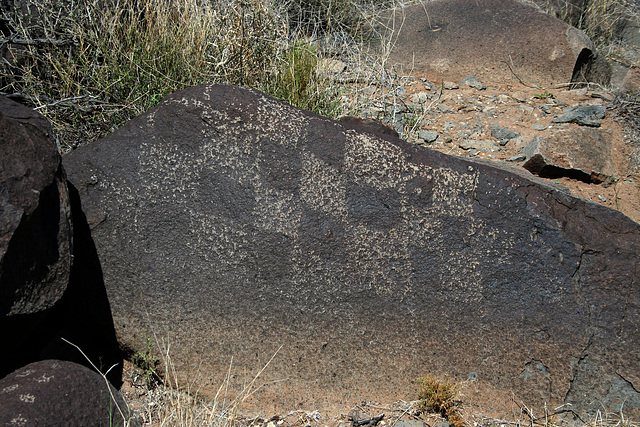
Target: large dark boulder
[50,278]
[499,41]
[55,392]
[35,220]
[229,224]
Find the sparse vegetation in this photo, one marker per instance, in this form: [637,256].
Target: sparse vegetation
[146,365]
[90,68]
[544,95]
[91,65]
[600,19]
[439,396]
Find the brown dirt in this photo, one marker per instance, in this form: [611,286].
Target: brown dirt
[512,106]
[518,108]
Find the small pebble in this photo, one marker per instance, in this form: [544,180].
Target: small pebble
[517,158]
[450,85]
[472,81]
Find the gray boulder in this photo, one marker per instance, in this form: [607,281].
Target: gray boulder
[581,153]
[585,115]
[35,220]
[500,41]
[54,392]
[237,228]
[572,10]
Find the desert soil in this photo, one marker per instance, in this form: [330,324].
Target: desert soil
[466,113]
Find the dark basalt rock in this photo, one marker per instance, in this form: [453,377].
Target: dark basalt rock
[231,224]
[36,225]
[50,279]
[585,115]
[54,392]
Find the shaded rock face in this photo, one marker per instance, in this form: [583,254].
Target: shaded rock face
[53,392]
[231,224]
[36,225]
[50,279]
[500,41]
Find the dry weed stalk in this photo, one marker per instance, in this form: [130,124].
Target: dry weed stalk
[177,401]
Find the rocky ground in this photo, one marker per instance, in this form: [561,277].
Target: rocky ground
[497,121]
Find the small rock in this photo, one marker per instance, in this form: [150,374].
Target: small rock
[484,145]
[444,108]
[503,135]
[398,125]
[545,109]
[519,97]
[536,126]
[450,85]
[428,135]
[527,109]
[489,109]
[585,115]
[369,113]
[442,424]
[410,423]
[420,97]
[369,90]
[427,84]
[602,198]
[473,82]
[450,125]
[502,98]
[517,158]
[579,153]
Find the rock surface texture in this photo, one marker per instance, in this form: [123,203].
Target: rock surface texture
[236,227]
[50,279]
[500,41]
[54,392]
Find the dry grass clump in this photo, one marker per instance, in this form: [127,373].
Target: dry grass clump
[439,396]
[166,398]
[91,65]
[627,106]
